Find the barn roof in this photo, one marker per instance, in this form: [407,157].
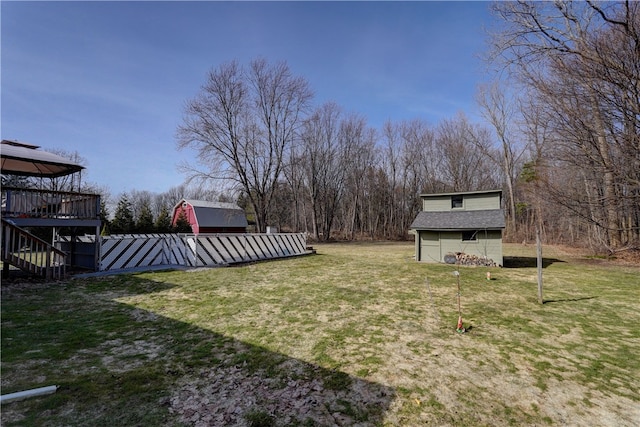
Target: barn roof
[207,204]
[217,214]
[26,160]
[459,220]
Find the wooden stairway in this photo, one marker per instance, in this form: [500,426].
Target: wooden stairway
[30,253]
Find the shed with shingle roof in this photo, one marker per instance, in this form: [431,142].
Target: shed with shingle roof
[468,222]
[211,217]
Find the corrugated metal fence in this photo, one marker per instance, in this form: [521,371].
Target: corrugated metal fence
[202,250]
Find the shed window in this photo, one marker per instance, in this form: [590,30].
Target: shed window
[469,236]
[456,202]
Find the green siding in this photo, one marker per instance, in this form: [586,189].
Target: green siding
[481,202]
[451,241]
[436,204]
[490,245]
[470,202]
[432,246]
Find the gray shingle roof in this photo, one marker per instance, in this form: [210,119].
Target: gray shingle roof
[217,214]
[218,217]
[207,204]
[459,220]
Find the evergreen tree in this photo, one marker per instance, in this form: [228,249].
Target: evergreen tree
[123,219]
[163,222]
[104,218]
[144,223]
[182,223]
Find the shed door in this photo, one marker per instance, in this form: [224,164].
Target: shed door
[430,246]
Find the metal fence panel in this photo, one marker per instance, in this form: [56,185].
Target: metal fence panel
[129,251]
[203,250]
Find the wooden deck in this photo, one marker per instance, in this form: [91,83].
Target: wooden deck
[22,208]
[46,208]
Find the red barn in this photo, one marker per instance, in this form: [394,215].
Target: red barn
[211,217]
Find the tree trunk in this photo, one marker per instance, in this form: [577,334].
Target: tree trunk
[611,201]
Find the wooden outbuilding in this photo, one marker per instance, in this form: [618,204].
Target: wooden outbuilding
[211,217]
[459,223]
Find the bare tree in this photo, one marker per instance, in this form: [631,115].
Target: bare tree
[241,125]
[324,171]
[539,147]
[500,112]
[294,173]
[462,148]
[359,156]
[390,164]
[71,182]
[139,200]
[163,202]
[581,63]
[410,162]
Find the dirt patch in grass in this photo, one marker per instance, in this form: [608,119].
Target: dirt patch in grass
[230,395]
[121,356]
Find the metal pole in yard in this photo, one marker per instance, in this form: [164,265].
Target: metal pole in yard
[539,256]
[459,326]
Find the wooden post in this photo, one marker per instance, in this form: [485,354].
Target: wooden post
[47,264]
[539,253]
[7,243]
[97,248]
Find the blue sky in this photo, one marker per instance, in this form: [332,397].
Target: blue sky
[110,79]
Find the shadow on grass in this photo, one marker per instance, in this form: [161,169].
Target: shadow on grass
[117,364]
[550,301]
[527,262]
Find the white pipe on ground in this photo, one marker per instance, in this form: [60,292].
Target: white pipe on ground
[6,398]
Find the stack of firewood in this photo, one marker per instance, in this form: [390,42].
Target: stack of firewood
[460,258]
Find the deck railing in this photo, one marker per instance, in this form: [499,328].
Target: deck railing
[30,203]
[30,253]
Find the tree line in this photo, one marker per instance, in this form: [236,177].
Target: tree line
[144,212]
[577,65]
[560,137]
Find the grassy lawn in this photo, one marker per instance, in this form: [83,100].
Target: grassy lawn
[359,334]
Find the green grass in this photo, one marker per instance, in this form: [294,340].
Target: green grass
[34,257]
[353,332]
